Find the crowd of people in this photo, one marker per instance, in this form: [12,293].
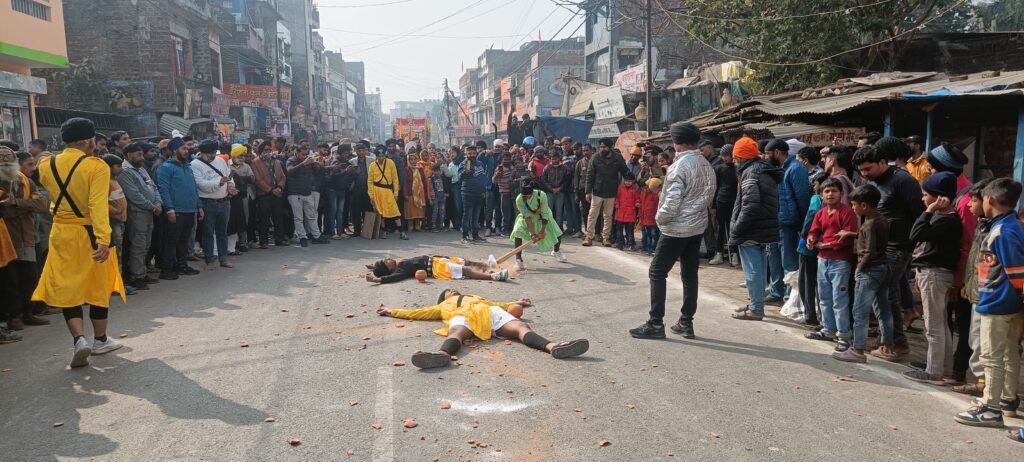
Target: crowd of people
[855,225]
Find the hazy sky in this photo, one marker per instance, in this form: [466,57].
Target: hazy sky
[410,46]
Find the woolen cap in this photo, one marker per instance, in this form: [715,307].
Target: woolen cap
[745,148]
[776,145]
[77,129]
[940,184]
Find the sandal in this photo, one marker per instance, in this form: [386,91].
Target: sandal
[818,336]
[973,389]
[748,315]
[1016,435]
[741,309]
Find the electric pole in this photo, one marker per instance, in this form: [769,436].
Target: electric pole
[448,112]
[649,72]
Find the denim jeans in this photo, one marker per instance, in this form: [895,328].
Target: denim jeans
[559,205]
[775,267]
[437,214]
[834,296]
[872,294]
[471,206]
[624,233]
[754,259]
[685,250]
[335,216]
[215,229]
[508,214]
[649,238]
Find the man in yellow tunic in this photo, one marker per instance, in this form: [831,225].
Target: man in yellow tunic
[81,269]
[383,187]
[466,316]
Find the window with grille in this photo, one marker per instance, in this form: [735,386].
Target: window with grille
[31,8]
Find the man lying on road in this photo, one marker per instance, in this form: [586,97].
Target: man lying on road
[467,316]
[389,270]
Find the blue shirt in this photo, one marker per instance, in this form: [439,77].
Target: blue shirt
[474,181]
[177,187]
[1001,266]
[794,193]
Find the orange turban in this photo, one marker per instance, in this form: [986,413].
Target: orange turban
[745,148]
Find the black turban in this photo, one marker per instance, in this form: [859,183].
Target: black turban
[608,142]
[77,129]
[776,145]
[363,144]
[684,133]
[208,147]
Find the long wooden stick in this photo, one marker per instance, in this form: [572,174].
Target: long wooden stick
[514,251]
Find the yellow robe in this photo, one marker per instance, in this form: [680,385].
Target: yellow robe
[7,251]
[385,200]
[476,310]
[70,277]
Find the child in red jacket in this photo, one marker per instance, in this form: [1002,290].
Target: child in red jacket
[626,202]
[650,233]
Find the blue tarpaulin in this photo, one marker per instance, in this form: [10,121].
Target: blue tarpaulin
[956,91]
[566,126]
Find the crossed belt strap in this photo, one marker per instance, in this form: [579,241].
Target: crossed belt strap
[63,195]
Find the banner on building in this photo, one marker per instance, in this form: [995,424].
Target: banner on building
[632,79]
[608,103]
[219,106]
[845,136]
[264,96]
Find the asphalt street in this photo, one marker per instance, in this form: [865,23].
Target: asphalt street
[231,364]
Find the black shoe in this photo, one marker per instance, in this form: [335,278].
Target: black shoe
[430,360]
[241,248]
[321,240]
[919,365]
[683,328]
[479,239]
[169,275]
[280,243]
[139,284]
[304,242]
[648,331]
[150,280]
[570,349]
[188,271]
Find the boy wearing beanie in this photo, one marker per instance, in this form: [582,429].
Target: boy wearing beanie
[936,237]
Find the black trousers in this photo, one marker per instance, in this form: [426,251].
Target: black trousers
[961,323]
[723,217]
[808,287]
[358,204]
[176,241]
[269,207]
[18,280]
[670,250]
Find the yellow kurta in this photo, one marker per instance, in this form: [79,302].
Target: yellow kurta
[7,251]
[385,200]
[476,310]
[70,277]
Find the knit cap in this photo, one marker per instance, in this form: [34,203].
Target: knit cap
[940,184]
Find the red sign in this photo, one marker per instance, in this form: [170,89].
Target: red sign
[264,96]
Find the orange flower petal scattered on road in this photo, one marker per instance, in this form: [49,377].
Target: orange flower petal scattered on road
[409,423]
[893,427]
[294,441]
[353,403]
[270,419]
[631,406]
[714,435]
[398,363]
[350,453]
[243,344]
[58,424]
[377,426]
[603,443]
[446,405]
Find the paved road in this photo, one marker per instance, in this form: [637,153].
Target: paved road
[184,388]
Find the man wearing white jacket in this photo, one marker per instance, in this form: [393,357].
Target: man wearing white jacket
[682,218]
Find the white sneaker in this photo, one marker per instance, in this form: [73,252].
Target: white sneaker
[99,347]
[561,258]
[500,275]
[717,259]
[734,260]
[82,351]
[520,265]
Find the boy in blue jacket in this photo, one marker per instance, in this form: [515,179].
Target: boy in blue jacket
[1000,269]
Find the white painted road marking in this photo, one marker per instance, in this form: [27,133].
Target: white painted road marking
[384,412]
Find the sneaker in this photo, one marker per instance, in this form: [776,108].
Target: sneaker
[9,336]
[570,349]
[587,242]
[717,259]
[140,284]
[980,416]
[1009,408]
[922,377]
[850,356]
[477,239]
[466,240]
[431,360]
[80,358]
[648,331]
[336,237]
[321,240]
[403,236]
[169,275]
[99,347]
[500,275]
[241,248]
[560,256]
[188,271]
[30,320]
[683,328]
[734,260]
[304,242]
[520,265]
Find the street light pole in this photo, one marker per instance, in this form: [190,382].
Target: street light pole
[649,73]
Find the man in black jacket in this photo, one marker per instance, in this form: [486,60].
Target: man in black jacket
[755,222]
[900,205]
[721,211]
[606,169]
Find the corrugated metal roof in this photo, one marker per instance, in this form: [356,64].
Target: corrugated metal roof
[790,129]
[836,104]
[581,102]
[683,82]
[171,122]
